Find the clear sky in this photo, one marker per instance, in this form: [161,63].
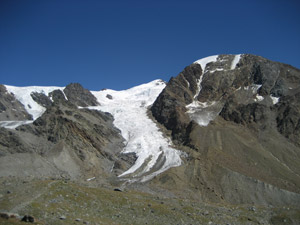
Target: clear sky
[118,44]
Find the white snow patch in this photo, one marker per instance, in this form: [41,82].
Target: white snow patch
[23,95]
[13,124]
[196,109]
[202,112]
[218,69]
[259,98]
[92,178]
[275,100]
[129,108]
[235,61]
[253,87]
[197,104]
[188,83]
[203,62]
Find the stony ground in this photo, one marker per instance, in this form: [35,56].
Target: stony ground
[66,202]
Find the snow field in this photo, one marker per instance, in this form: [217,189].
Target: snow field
[23,95]
[129,109]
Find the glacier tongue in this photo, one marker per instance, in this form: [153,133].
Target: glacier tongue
[129,108]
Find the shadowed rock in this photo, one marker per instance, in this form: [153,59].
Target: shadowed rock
[252,139]
[80,96]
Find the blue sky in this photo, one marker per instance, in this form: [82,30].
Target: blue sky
[118,44]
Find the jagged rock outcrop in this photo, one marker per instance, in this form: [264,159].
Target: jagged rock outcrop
[66,141]
[234,118]
[242,122]
[10,107]
[80,96]
[41,99]
[169,108]
[246,93]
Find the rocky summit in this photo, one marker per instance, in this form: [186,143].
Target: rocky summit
[217,144]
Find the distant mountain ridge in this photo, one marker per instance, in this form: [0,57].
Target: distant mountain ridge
[226,129]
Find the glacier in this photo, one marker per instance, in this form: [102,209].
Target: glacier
[129,109]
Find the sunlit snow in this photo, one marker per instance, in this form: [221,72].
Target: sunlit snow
[218,69]
[14,124]
[258,98]
[253,87]
[203,62]
[23,94]
[197,110]
[202,112]
[235,61]
[275,100]
[129,108]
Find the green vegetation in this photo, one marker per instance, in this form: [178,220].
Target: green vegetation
[66,202]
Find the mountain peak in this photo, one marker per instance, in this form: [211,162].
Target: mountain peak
[224,124]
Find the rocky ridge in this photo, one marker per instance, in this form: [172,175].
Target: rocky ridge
[234,118]
[242,121]
[66,141]
[10,107]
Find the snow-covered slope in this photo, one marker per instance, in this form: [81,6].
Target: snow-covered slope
[129,108]
[23,94]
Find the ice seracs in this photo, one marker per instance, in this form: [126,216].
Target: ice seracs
[154,152]
[129,109]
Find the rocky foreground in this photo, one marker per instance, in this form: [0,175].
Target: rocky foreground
[66,202]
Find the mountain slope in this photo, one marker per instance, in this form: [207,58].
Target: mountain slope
[129,109]
[65,141]
[66,120]
[226,129]
[239,117]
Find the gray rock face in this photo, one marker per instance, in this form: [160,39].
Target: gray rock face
[237,123]
[41,99]
[10,107]
[65,141]
[169,108]
[77,95]
[251,127]
[57,96]
[246,94]
[288,117]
